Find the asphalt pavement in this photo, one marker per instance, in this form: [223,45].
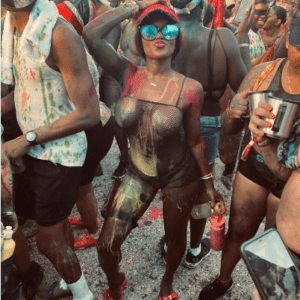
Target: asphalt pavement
[141,257]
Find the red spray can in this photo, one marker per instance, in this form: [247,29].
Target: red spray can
[217,232]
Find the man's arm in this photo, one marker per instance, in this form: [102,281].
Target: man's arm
[237,69]
[69,58]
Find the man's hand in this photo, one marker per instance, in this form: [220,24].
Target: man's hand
[238,106]
[16,148]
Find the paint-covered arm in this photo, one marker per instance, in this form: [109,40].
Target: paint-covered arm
[231,120]
[8,104]
[68,57]
[194,96]
[105,55]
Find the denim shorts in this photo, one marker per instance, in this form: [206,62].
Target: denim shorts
[210,132]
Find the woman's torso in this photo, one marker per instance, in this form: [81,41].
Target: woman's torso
[153,120]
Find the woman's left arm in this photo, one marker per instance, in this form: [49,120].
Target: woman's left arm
[267,145]
[193,97]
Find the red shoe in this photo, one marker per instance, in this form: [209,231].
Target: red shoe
[108,295]
[76,221]
[172,296]
[84,241]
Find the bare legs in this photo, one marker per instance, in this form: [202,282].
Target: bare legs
[248,209]
[87,206]
[21,253]
[130,203]
[197,226]
[56,243]
[178,204]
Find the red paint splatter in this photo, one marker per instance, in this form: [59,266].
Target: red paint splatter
[153,214]
[129,79]
[32,74]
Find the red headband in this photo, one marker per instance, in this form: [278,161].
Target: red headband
[159,7]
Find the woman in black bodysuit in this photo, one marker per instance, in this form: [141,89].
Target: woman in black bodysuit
[160,110]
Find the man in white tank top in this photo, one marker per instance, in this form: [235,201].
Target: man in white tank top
[55,102]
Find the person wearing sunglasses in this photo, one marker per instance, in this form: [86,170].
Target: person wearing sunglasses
[256,44]
[160,111]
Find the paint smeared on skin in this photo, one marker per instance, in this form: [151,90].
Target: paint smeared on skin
[92,91]
[193,99]
[154,213]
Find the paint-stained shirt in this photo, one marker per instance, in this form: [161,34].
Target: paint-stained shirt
[41,98]
[256,45]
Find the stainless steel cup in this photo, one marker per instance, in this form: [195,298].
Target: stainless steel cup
[256,97]
[285,112]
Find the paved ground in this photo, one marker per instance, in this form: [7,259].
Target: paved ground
[142,261]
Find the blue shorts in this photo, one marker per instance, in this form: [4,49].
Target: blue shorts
[210,132]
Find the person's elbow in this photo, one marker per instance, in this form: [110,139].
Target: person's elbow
[89,116]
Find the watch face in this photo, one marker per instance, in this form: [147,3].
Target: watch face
[30,136]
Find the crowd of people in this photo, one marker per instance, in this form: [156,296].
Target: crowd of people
[174,79]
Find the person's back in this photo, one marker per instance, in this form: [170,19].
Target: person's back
[209,56]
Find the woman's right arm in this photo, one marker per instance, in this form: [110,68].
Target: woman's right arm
[231,120]
[103,52]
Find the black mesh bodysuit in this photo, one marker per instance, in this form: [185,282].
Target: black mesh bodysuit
[158,153]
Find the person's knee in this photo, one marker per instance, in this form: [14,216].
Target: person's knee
[240,232]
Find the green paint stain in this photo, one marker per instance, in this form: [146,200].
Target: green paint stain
[42,34]
[67,144]
[44,94]
[50,154]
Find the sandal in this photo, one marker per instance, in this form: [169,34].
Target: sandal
[108,295]
[172,296]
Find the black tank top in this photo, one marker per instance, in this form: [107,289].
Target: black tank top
[276,85]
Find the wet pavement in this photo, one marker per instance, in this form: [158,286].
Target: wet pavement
[141,257]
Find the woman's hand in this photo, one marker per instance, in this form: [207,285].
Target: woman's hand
[16,148]
[238,106]
[262,111]
[214,198]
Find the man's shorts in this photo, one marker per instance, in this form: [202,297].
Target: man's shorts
[50,191]
[210,132]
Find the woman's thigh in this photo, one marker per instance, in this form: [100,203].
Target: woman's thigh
[178,204]
[248,205]
[130,203]
[272,207]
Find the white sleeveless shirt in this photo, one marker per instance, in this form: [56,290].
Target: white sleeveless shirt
[41,98]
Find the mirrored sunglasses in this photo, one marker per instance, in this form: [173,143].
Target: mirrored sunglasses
[150,32]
